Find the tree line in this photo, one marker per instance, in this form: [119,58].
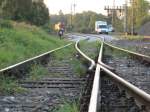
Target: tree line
[138,13]
[32,11]
[35,12]
[80,22]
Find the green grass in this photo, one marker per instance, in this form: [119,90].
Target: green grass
[114,52]
[70,54]
[19,41]
[91,49]
[67,107]
[78,68]
[9,85]
[37,72]
[130,37]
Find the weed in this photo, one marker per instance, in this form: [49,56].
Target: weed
[37,72]
[130,37]
[78,68]
[24,41]
[69,53]
[5,24]
[9,85]
[68,107]
[114,52]
[90,48]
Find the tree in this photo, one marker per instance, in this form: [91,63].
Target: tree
[23,8]
[82,22]
[140,12]
[15,9]
[33,11]
[7,10]
[39,14]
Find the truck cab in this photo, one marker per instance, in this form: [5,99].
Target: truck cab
[101,27]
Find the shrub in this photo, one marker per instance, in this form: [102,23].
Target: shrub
[5,24]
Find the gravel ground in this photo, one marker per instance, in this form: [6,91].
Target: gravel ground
[44,99]
[47,96]
[140,46]
[128,68]
[114,100]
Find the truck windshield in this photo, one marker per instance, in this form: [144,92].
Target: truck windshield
[102,26]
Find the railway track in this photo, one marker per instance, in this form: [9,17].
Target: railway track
[47,94]
[120,90]
[123,86]
[116,90]
[114,100]
[119,85]
[135,71]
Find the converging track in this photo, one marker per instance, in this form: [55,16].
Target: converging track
[117,80]
[120,90]
[59,86]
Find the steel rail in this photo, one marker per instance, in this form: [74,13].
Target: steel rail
[131,52]
[34,58]
[95,89]
[85,56]
[140,95]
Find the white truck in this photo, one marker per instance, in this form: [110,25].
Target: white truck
[101,27]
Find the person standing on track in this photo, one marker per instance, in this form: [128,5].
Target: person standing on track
[60,33]
[60,28]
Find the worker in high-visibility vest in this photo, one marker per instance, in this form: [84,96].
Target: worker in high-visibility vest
[60,28]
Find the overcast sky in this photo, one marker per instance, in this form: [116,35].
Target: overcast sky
[81,5]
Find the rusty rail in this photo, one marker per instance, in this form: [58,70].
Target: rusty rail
[95,89]
[32,59]
[85,56]
[144,57]
[140,96]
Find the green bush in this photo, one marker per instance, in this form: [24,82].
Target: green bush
[9,85]
[67,107]
[145,20]
[23,42]
[5,24]
[37,72]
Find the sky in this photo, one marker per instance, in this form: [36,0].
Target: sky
[81,5]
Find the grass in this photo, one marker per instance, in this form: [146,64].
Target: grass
[130,37]
[67,107]
[91,49]
[78,68]
[9,85]
[37,72]
[70,54]
[20,41]
[114,53]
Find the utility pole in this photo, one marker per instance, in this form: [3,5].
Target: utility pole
[125,17]
[71,17]
[74,7]
[113,13]
[132,24]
